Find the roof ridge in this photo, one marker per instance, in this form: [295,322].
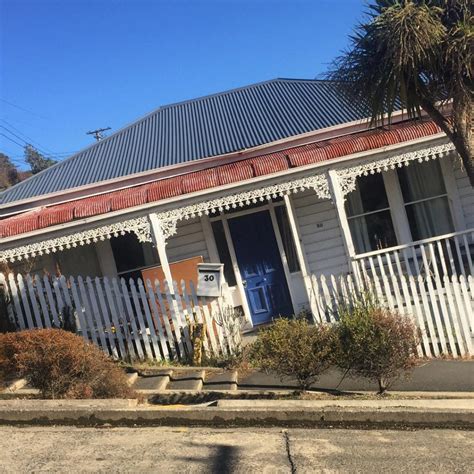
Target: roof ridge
[211,125]
[149,114]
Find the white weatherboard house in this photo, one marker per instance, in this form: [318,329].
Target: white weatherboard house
[280,181]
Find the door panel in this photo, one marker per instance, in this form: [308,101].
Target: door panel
[260,265]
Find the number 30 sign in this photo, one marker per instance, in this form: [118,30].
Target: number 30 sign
[210,277]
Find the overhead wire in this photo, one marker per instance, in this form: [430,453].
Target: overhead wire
[30,140]
[47,154]
[22,108]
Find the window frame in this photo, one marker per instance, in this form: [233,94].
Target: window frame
[397,205]
[450,194]
[377,211]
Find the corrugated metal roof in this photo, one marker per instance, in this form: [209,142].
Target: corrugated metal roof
[199,128]
[214,177]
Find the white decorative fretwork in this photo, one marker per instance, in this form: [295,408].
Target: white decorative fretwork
[348,176]
[139,226]
[168,228]
[170,218]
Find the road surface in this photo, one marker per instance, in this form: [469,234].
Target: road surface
[195,450]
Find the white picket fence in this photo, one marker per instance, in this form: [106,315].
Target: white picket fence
[442,306]
[128,320]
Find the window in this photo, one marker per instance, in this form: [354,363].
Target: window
[287,238]
[426,200]
[368,213]
[131,255]
[223,250]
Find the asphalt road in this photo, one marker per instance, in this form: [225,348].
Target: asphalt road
[193,450]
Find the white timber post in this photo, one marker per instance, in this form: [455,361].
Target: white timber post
[160,242]
[301,255]
[338,200]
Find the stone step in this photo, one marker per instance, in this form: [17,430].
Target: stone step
[187,380]
[158,381]
[225,380]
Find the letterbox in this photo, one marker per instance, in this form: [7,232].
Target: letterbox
[210,279]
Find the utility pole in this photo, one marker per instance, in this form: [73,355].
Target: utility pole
[98,134]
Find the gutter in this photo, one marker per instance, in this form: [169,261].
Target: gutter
[183,200]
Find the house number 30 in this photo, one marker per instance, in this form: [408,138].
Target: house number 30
[208,277]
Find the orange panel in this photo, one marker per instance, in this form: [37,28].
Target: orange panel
[183,270]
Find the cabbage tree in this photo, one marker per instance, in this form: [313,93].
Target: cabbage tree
[418,52]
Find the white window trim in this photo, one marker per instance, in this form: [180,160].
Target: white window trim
[448,194]
[397,205]
[369,213]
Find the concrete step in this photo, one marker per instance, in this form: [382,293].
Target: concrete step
[187,380]
[226,380]
[157,381]
[14,385]
[132,377]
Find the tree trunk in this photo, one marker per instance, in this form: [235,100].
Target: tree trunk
[382,385]
[463,118]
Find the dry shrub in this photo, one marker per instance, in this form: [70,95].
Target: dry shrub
[294,348]
[61,365]
[376,343]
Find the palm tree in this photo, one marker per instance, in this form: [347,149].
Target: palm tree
[417,53]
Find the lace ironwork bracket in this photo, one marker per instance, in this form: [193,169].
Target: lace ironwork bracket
[139,226]
[348,176]
[169,219]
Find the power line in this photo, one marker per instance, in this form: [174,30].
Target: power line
[26,136]
[24,110]
[20,138]
[8,138]
[50,155]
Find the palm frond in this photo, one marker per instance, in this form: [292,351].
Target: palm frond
[395,55]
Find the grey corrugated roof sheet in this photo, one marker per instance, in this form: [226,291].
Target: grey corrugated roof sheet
[209,126]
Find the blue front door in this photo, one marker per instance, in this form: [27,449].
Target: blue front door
[260,265]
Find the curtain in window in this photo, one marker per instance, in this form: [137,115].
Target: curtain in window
[431,217]
[358,225]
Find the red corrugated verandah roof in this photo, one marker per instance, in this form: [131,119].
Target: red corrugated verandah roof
[218,176]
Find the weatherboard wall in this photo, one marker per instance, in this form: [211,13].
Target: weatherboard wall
[188,242]
[320,234]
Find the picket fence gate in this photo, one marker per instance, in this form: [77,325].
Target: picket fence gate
[441,307]
[128,320]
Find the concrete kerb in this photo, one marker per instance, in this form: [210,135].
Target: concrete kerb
[457,413]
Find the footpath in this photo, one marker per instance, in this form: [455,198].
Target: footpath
[439,394]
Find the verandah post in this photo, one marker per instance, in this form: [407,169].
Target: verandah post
[160,242]
[300,253]
[338,200]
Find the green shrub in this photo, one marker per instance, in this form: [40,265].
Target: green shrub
[61,365]
[294,348]
[375,343]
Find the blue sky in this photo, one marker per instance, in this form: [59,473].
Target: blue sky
[74,65]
